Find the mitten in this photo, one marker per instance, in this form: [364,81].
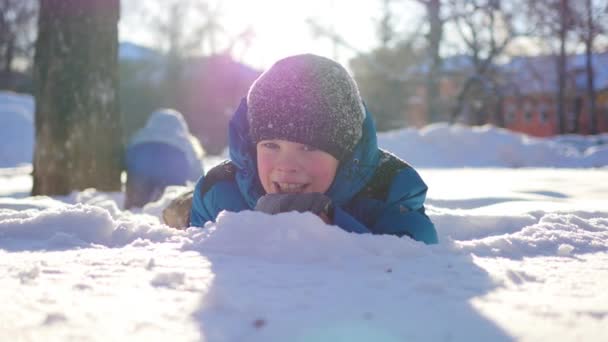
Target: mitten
[314,202]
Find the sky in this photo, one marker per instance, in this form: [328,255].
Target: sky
[280,26]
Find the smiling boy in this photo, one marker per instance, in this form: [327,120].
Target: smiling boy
[302,140]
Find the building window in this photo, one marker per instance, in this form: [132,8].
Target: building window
[528,115]
[578,105]
[543,111]
[510,113]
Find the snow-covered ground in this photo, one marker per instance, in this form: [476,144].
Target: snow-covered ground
[442,145]
[523,256]
[16,129]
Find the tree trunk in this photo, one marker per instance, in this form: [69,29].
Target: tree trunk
[434,39]
[592,111]
[9,55]
[461,99]
[561,67]
[577,109]
[499,115]
[78,124]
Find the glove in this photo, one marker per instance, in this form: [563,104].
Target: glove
[314,202]
[177,214]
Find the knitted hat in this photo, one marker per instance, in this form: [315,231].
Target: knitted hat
[310,100]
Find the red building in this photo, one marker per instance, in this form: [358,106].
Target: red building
[526,100]
[530,103]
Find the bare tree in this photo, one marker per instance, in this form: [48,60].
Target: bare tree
[185,27]
[387,97]
[553,22]
[78,125]
[244,39]
[588,24]
[386,29]
[486,28]
[17,31]
[368,57]
[434,38]
[387,75]
[564,27]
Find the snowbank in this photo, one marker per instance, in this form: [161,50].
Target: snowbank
[257,277]
[71,226]
[24,101]
[442,145]
[95,219]
[16,129]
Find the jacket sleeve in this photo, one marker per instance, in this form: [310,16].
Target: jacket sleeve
[345,221]
[403,213]
[199,213]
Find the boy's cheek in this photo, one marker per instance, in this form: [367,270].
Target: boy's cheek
[264,164]
[263,173]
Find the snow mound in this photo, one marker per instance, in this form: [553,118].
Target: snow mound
[16,129]
[300,237]
[24,101]
[442,145]
[582,142]
[75,226]
[37,202]
[554,235]
[295,238]
[463,226]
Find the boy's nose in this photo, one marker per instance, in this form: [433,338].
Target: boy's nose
[288,163]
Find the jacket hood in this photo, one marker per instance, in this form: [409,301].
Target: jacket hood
[167,119]
[168,126]
[352,175]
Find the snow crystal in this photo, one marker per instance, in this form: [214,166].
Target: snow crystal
[565,249]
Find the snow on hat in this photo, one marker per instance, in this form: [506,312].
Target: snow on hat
[310,100]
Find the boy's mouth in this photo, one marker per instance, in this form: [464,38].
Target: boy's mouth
[284,188]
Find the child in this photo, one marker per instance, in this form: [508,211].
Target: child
[302,140]
[163,142]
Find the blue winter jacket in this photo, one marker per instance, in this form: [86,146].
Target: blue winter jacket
[372,192]
[151,167]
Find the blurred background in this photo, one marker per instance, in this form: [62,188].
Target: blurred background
[537,67]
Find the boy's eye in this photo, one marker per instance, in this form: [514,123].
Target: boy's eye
[270,145]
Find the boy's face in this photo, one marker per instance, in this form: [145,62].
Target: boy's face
[285,166]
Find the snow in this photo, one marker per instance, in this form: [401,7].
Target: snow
[523,256]
[128,51]
[16,129]
[442,145]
